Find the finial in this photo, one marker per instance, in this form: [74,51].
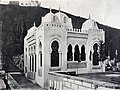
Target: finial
[89,16]
[50,9]
[59,8]
[34,24]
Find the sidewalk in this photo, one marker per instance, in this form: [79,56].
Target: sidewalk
[19,82]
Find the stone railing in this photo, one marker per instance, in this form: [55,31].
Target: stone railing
[58,81]
[65,82]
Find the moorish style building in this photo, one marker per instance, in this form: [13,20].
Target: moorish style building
[56,46]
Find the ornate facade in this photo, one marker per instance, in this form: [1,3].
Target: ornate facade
[56,46]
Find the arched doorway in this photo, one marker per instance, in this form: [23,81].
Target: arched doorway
[83,53]
[40,54]
[77,53]
[54,54]
[69,53]
[95,54]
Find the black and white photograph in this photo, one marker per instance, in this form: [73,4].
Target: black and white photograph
[59,44]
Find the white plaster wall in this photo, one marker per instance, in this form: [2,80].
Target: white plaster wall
[94,36]
[50,34]
[40,38]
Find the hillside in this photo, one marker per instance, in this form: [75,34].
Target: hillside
[17,20]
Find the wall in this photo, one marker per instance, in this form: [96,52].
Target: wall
[67,82]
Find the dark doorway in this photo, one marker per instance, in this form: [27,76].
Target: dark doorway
[83,53]
[40,54]
[32,62]
[54,54]
[95,54]
[77,53]
[69,53]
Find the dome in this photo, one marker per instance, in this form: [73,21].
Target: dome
[32,30]
[62,16]
[89,24]
[50,17]
[64,19]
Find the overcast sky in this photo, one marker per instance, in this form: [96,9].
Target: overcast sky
[104,11]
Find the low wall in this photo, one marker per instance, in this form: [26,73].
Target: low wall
[59,81]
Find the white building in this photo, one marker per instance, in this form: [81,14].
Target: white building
[56,46]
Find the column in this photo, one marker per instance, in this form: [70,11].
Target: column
[38,60]
[35,63]
[60,59]
[26,59]
[30,62]
[73,53]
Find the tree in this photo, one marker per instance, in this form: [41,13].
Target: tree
[102,51]
[23,34]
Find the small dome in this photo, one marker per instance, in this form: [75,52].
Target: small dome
[61,16]
[32,30]
[64,19]
[89,24]
[50,17]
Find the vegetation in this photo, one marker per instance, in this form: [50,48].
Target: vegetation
[17,20]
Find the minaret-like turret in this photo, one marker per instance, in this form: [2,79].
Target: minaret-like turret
[34,24]
[89,16]
[50,10]
[59,8]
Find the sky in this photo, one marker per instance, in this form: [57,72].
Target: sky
[106,12]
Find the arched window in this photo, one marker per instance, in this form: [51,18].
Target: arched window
[54,18]
[54,54]
[64,19]
[95,54]
[77,53]
[34,48]
[26,50]
[32,62]
[26,58]
[83,56]
[40,54]
[31,49]
[69,53]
